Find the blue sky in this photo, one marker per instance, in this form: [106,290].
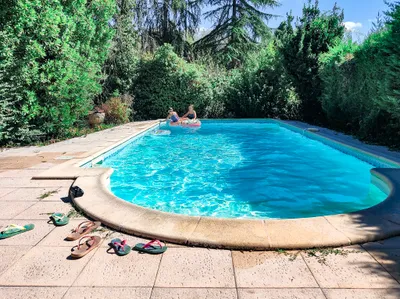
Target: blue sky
[358,14]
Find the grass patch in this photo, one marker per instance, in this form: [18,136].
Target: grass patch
[74,213]
[319,253]
[47,194]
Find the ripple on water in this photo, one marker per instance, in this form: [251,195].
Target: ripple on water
[241,170]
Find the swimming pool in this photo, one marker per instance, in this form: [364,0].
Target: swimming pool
[241,169]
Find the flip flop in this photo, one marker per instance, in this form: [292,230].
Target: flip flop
[83,249]
[59,219]
[153,247]
[83,229]
[120,247]
[13,230]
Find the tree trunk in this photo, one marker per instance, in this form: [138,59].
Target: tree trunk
[165,22]
[234,18]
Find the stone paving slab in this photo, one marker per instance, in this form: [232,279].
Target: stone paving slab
[272,270]
[389,259]
[193,293]
[5,191]
[42,210]
[9,209]
[45,267]
[18,173]
[307,232]
[108,269]
[102,293]
[43,166]
[196,267]
[28,183]
[8,256]
[384,244]
[361,294]
[29,194]
[281,293]
[33,292]
[356,269]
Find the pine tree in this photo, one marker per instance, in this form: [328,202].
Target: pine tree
[238,26]
[167,21]
[301,48]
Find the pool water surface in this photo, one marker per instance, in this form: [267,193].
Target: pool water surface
[242,169]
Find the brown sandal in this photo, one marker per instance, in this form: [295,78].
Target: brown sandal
[83,249]
[83,229]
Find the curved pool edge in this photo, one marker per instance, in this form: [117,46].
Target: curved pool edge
[376,223]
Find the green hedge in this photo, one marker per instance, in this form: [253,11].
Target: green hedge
[361,85]
[262,89]
[166,80]
[51,54]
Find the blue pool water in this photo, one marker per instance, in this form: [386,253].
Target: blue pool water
[241,170]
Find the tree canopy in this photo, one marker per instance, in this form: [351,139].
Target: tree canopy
[238,26]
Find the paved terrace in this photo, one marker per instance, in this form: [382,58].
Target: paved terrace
[36,264]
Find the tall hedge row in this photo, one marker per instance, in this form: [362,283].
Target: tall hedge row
[361,85]
[51,54]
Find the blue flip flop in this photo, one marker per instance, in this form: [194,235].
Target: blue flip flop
[120,247]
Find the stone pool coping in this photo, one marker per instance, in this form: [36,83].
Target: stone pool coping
[372,224]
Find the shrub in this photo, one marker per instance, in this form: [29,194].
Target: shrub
[361,89]
[165,80]
[52,53]
[262,89]
[301,48]
[117,109]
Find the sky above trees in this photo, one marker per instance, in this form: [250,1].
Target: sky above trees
[358,14]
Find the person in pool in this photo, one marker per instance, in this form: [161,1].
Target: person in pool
[173,116]
[191,114]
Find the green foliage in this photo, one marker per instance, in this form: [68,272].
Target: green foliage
[219,80]
[315,32]
[52,53]
[238,27]
[361,85]
[263,89]
[338,104]
[166,80]
[57,57]
[390,101]
[117,109]
[14,126]
[167,21]
[120,66]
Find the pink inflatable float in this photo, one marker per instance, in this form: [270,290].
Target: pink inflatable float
[187,123]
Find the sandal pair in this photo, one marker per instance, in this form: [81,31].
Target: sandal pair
[152,247]
[86,243]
